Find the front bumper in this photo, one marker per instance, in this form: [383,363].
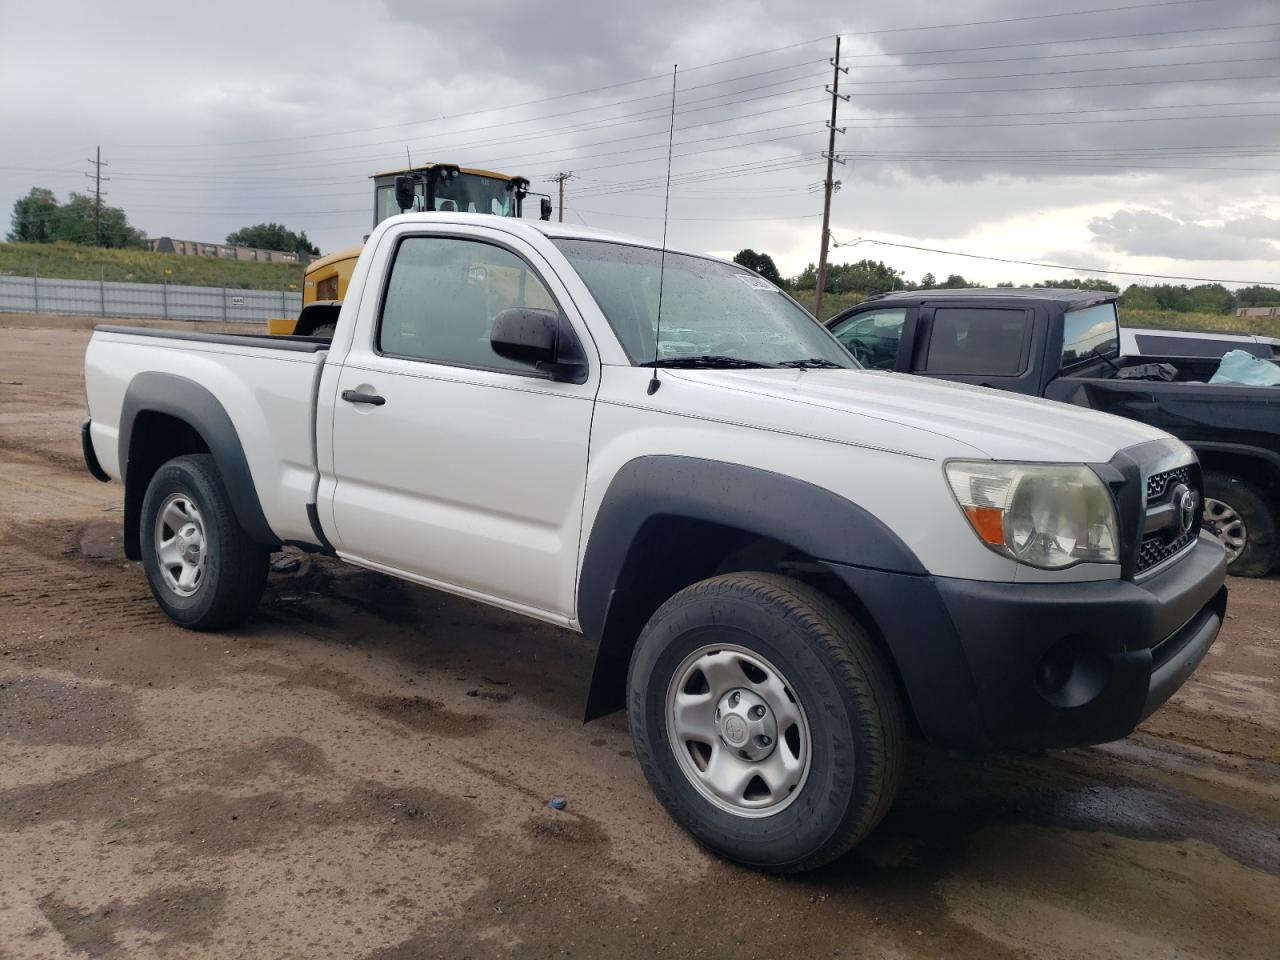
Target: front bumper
[1027,665]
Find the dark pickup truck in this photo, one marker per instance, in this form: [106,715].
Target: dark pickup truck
[1065,345]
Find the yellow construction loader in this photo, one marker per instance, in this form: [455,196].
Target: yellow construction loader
[430,186]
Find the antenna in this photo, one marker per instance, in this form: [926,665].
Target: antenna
[407,157]
[666,206]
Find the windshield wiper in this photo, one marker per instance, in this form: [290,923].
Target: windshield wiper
[810,362]
[708,361]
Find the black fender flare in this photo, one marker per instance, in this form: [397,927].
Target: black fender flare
[806,517]
[195,405]
[1268,458]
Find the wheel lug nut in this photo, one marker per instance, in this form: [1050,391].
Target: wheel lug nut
[763,741]
[734,698]
[757,712]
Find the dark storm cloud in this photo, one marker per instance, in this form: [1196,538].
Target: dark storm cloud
[273,111]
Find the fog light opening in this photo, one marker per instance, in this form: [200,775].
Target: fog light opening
[1070,675]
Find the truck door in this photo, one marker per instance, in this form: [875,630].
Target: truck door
[453,465]
[991,345]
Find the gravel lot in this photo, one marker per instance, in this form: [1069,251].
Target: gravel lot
[362,772]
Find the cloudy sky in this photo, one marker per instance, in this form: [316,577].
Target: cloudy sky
[1123,135]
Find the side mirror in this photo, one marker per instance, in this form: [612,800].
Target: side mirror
[545,208]
[540,338]
[406,188]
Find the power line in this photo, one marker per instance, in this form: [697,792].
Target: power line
[647,113]
[1055,266]
[1026,19]
[714,63]
[1063,73]
[1076,86]
[1063,56]
[1057,123]
[1056,42]
[869,158]
[510,106]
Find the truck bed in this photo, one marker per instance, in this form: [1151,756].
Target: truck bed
[265,384]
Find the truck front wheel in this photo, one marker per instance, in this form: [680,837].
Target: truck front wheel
[766,721]
[202,568]
[1238,514]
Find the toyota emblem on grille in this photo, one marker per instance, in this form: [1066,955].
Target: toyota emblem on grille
[1186,501]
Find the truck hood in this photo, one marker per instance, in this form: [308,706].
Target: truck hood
[998,425]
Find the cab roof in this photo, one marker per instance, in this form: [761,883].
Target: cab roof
[548,228]
[1068,298]
[423,167]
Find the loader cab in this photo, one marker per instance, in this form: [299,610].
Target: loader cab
[447,188]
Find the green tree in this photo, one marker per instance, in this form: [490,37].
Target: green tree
[928,281]
[76,221]
[1076,283]
[956,282]
[273,236]
[32,218]
[1257,296]
[39,218]
[761,263]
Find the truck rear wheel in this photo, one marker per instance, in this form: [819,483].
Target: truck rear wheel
[203,569]
[1239,515]
[766,721]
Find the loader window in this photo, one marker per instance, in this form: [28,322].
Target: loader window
[442,298]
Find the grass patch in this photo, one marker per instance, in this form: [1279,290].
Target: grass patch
[67,261]
[1225,323]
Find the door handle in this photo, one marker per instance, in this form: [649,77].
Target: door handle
[355,396]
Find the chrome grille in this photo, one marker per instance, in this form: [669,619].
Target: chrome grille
[1155,550]
[1163,544]
[1158,484]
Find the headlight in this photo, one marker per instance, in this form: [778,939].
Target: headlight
[1045,515]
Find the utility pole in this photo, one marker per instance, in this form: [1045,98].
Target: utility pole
[97,178]
[828,185]
[560,178]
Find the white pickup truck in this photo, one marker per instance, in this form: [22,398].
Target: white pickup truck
[788,563]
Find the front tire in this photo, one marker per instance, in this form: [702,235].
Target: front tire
[766,721]
[204,571]
[1238,514]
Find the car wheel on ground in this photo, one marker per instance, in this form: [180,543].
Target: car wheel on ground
[766,721]
[202,567]
[1238,514]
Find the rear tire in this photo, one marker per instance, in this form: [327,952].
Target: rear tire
[202,568]
[768,647]
[1244,521]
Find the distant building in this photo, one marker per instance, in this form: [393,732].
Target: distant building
[1256,312]
[194,248]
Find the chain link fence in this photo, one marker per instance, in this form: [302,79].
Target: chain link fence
[158,301]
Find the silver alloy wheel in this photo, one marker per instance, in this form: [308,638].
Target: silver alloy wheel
[737,730]
[1225,523]
[181,549]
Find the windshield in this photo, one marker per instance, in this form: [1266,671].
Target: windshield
[1090,332]
[709,309]
[465,193]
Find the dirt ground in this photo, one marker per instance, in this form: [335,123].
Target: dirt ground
[363,771]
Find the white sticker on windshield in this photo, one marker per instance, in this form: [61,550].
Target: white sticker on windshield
[754,282]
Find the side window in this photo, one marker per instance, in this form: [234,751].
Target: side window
[442,298]
[978,340]
[873,338]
